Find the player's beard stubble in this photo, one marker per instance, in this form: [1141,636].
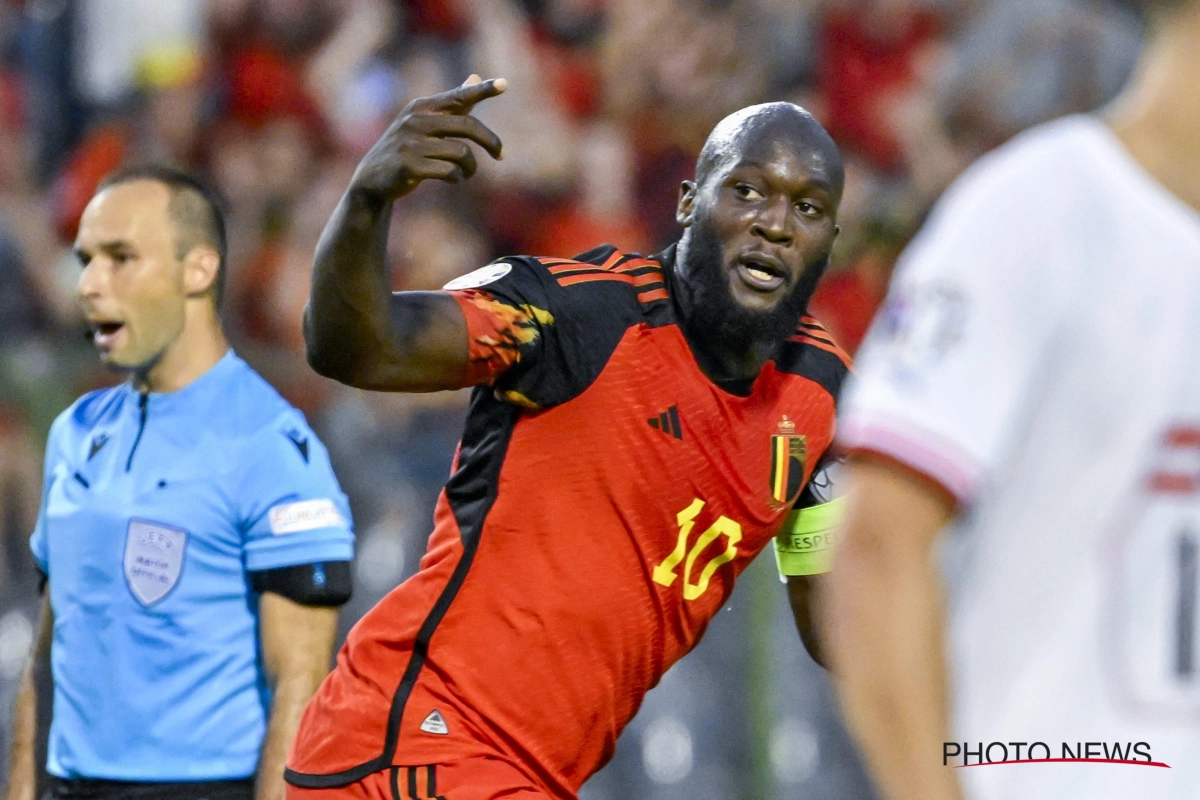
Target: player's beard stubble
[713,308]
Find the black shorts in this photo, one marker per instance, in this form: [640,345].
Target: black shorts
[87,789]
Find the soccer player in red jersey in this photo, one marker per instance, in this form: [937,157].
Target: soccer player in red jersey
[640,430]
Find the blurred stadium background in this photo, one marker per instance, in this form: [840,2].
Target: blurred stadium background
[609,101]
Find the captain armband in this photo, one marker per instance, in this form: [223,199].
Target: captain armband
[804,546]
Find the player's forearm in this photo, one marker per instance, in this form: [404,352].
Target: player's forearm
[884,638]
[347,320]
[22,774]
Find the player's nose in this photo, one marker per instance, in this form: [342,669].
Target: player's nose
[772,222]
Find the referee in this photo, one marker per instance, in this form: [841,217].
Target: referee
[194,539]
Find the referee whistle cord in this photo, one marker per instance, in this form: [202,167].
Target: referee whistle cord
[142,399]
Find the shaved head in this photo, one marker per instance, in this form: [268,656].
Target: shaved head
[755,126]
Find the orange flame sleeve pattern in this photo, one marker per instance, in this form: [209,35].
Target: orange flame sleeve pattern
[499,334]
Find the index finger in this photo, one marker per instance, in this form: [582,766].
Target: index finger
[463,98]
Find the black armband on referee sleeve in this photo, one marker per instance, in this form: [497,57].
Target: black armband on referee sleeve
[326,583]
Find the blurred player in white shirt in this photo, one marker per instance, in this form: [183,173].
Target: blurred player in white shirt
[1033,383]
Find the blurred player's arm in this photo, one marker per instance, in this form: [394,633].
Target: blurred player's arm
[297,645]
[23,771]
[356,329]
[882,622]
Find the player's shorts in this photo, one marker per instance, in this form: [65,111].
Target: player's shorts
[469,779]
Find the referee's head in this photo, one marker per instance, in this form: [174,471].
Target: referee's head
[152,246]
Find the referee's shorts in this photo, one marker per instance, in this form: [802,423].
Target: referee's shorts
[88,789]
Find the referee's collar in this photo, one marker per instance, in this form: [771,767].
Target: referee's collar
[208,383]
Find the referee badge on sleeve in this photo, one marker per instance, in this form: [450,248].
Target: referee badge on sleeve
[153,559]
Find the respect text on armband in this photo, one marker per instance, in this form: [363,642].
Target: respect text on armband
[805,542]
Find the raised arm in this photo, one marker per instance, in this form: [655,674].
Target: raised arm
[356,330]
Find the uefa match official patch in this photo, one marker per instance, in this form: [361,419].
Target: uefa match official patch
[153,559]
[305,515]
[480,277]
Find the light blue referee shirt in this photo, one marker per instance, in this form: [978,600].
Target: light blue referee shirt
[154,508]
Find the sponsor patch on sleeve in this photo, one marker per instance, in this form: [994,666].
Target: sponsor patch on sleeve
[305,515]
[480,277]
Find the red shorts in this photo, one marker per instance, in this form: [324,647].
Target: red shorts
[469,779]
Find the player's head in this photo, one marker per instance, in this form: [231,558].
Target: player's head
[759,221]
[152,245]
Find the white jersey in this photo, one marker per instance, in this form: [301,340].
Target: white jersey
[1039,359]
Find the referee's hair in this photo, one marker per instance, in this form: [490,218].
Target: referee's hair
[195,207]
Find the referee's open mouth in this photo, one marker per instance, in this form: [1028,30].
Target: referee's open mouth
[104,333]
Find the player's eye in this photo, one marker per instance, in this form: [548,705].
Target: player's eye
[747,192]
[809,209]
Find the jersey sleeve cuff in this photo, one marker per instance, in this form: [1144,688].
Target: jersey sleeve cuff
[950,471]
[326,544]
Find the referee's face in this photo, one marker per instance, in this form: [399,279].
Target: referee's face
[132,284]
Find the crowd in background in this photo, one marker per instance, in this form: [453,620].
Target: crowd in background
[609,101]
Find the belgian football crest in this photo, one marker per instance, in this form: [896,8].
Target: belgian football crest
[789,452]
[153,559]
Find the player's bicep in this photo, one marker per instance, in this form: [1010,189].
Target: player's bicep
[425,349]
[479,328]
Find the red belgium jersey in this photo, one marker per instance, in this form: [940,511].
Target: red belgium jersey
[605,497]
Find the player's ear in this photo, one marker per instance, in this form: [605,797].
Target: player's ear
[200,267]
[687,203]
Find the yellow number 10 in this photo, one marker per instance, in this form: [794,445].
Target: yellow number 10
[664,573]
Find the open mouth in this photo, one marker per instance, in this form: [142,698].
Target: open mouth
[761,272]
[104,332]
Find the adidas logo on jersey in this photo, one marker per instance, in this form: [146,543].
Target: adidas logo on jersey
[434,723]
[668,422]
